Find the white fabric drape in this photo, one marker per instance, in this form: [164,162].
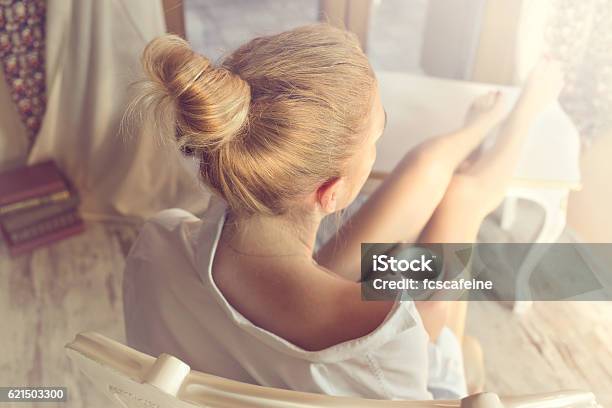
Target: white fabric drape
[92,56]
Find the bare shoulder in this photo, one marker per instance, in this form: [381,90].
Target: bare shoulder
[301,302]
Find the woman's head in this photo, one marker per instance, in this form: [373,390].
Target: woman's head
[285,123]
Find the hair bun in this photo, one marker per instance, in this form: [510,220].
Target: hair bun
[210,104]
[280,116]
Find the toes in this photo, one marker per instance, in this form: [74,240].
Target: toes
[491,98]
[485,101]
[498,97]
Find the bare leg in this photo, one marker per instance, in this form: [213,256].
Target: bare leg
[495,168]
[393,213]
[473,361]
[478,189]
[456,318]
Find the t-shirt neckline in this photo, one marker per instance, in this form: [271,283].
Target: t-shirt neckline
[213,221]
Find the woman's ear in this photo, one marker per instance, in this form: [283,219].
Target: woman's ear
[328,194]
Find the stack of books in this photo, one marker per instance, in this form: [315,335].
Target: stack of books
[37,207]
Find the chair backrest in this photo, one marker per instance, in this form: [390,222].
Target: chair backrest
[136,380]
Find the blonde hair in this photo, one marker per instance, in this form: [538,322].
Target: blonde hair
[274,120]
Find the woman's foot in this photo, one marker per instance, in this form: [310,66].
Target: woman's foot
[494,169]
[486,111]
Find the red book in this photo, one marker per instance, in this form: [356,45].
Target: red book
[45,232]
[16,220]
[31,181]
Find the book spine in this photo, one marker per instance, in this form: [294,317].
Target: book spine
[21,219]
[27,246]
[35,201]
[21,196]
[43,227]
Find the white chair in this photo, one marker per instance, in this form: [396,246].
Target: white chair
[133,379]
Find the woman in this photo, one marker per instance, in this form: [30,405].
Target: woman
[285,132]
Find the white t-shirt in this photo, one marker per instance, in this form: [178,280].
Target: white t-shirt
[173,306]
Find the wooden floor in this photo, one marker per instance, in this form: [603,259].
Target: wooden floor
[556,345]
[75,285]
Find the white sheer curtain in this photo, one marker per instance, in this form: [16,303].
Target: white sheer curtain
[579,33]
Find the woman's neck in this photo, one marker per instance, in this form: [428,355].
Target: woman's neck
[270,236]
